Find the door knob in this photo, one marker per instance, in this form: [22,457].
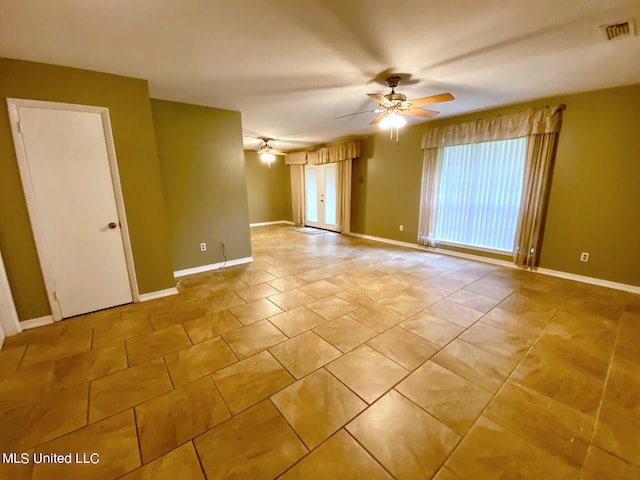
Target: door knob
[113,225]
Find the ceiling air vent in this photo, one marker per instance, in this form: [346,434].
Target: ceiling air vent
[617,30]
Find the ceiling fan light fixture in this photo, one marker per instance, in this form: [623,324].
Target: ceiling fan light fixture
[267,156]
[392,120]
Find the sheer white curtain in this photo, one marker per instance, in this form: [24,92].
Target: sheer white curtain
[540,127]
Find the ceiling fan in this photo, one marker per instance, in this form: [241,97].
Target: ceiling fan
[267,152]
[394,104]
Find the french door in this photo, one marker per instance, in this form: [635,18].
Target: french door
[321,206]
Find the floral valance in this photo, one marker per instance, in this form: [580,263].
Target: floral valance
[524,124]
[330,154]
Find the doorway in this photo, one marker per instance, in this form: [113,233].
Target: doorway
[321,205]
[70,178]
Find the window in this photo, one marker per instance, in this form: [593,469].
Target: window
[479,194]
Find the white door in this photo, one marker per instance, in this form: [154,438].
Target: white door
[321,196]
[69,185]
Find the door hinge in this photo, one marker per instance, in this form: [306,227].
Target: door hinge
[56,297]
[19,126]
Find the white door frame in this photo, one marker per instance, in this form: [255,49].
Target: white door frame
[8,317]
[14,104]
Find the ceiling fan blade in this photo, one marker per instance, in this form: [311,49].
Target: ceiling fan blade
[378,119]
[418,112]
[380,99]
[351,114]
[443,97]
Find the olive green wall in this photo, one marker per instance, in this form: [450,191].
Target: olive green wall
[268,189]
[594,203]
[131,122]
[203,175]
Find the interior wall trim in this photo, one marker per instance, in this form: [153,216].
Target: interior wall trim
[503,263]
[277,222]
[212,266]
[37,322]
[167,292]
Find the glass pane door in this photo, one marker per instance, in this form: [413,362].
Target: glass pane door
[321,196]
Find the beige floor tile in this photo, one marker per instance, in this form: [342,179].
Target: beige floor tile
[627,360]
[84,367]
[495,340]
[53,415]
[153,345]
[454,401]
[458,314]
[331,307]
[291,299]
[406,304]
[434,329]
[78,341]
[559,430]
[445,474]
[254,445]
[340,457]
[407,441]
[618,431]
[256,277]
[317,406]
[312,276]
[107,332]
[255,311]
[210,326]
[221,301]
[181,462]
[345,333]
[256,292]
[403,347]
[376,317]
[526,325]
[565,374]
[10,359]
[630,331]
[175,417]
[473,300]
[523,306]
[296,321]
[601,465]
[593,335]
[113,439]
[249,340]
[287,283]
[29,384]
[497,292]
[175,315]
[304,354]
[595,301]
[490,451]
[18,471]
[127,388]
[44,334]
[358,295]
[485,369]
[368,373]
[321,289]
[198,360]
[251,380]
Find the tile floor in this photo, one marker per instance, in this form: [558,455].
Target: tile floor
[331,357]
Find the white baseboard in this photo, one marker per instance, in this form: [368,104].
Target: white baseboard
[145,297]
[278,222]
[213,266]
[590,280]
[503,263]
[37,322]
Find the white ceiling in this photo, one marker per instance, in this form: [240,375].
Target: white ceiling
[291,66]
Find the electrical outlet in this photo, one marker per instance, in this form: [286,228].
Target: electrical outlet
[402,228]
[203,247]
[584,257]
